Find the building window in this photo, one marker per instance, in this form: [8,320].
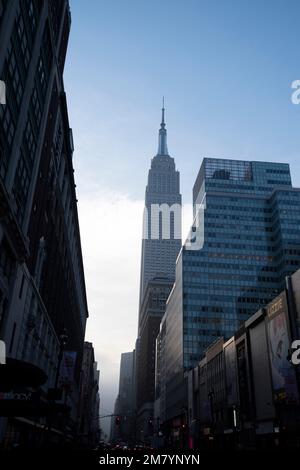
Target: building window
[29,140]
[23,40]
[8,123]
[24,169]
[47,49]
[32,14]
[44,65]
[21,186]
[7,131]
[6,261]
[58,141]
[41,79]
[14,76]
[36,107]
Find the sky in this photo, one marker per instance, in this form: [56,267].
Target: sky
[225,69]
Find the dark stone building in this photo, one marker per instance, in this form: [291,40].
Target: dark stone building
[42,286]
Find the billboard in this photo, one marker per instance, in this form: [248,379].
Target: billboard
[282,371]
[67,368]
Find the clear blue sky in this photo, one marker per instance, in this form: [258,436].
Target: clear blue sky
[225,68]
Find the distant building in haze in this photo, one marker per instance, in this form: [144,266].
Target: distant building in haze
[123,423]
[89,399]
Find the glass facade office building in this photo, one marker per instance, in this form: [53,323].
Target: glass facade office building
[244,241]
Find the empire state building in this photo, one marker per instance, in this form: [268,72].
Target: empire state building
[160,247]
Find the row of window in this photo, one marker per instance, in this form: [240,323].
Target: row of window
[279,182]
[240,246]
[226,235]
[252,258]
[226,266]
[277,171]
[14,74]
[31,131]
[7,261]
[238,227]
[241,218]
[247,207]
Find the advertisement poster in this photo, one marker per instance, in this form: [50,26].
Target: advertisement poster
[67,368]
[283,373]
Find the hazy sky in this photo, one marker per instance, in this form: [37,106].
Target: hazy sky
[225,68]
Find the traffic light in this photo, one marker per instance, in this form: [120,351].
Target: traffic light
[118,421]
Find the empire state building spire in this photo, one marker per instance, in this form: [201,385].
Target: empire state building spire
[162,138]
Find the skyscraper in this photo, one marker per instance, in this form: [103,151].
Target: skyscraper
[160,248]
[122,425]
[244,241]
